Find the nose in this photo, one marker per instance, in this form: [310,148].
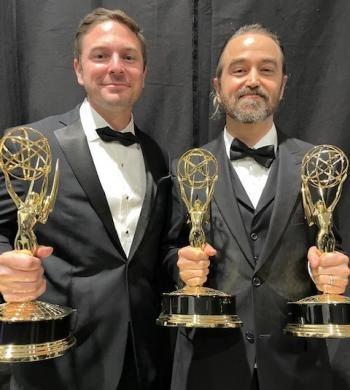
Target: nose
[253,78]
[116,64]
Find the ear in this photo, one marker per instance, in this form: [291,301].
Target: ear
[284,82]
[144,76]
[216,86]
[78,71]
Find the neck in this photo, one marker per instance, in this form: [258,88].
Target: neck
[249,133]
[118,118]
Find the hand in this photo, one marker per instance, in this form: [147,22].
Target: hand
[194,264]
[330,271]
[22,275]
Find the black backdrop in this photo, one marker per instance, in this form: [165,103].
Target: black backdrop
[184,38]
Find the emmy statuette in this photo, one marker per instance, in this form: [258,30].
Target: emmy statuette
[324,170]
[198,306]
[34,330]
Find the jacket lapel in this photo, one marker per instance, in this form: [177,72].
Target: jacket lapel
[287,192]
[154,177]
[226,201]
[76,150]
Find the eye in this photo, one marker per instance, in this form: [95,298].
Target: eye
[267,70]
[99,56]
[129,57]
[238,72]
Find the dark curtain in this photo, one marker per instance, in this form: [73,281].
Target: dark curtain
[184,38]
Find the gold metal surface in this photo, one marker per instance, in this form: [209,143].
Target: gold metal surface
[200,321]
[32,311]
[323,168]
[199,291]
[197,173]
[33,352]
[324,298]
[25,157]
[320,331]
[323,172]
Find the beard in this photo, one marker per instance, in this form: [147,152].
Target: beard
[247,110]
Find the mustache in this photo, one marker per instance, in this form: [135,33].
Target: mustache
[256,91]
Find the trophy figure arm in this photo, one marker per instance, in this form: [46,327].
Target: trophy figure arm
[49,201]
[307,203]
[16,199]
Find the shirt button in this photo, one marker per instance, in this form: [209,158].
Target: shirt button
[250,337]
[256,281]
[253,236]
[122,165]
[127,232]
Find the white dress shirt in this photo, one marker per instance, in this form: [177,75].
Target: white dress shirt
[121,171]
[252,175]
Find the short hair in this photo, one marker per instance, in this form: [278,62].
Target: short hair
[252,29]
[100,15]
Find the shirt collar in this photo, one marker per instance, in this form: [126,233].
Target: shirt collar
[92,120]
[270,138]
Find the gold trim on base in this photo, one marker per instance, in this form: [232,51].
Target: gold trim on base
[324,299]
[199,321]
[33,352]
[320,331]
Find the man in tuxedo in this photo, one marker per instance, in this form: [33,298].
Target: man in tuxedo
[99,249]
[259,239]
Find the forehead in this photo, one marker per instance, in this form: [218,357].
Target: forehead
[109,32]
[251,47]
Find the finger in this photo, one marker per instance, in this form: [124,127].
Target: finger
[193,254]
[190,274]
[333,259]
[185,264]
[43,251]
[8,275]
[209,250]
[313,256]
[25,293]
[19,261]
[195,282]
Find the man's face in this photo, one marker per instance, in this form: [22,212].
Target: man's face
[111,67]
[252,81]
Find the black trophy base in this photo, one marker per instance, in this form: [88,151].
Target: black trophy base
[33,331]
[198,307]
[322,316]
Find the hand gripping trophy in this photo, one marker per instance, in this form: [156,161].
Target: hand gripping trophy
[324,170]
[33,330]
[198,306]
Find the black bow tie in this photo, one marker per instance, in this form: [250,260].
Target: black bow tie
[264,156]
[109,135]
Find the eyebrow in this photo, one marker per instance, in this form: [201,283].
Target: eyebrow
[243,60]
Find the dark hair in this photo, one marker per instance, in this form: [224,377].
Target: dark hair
[254,29]
[100,15]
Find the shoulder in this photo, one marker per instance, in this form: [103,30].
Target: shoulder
[54,122]
[151,147]
[292,143]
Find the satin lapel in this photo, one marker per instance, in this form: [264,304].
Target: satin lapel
[226,201]
[287,191]
[76,150]
[153,174]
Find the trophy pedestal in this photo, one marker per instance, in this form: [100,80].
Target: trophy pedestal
[322,316]
[33,331]
[198,307]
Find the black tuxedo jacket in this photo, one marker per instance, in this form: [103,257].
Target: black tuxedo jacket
[225,359]
[89,270]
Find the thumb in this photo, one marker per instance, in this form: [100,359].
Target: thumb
[209,250]
[314,257]
[43,251]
